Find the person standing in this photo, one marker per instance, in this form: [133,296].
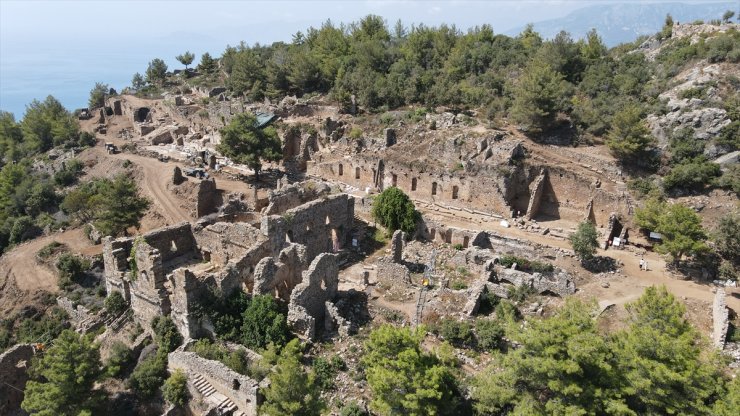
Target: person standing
[642,264]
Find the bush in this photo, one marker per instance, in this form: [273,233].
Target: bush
[120,358]
[49,249]
[166,334]
[149,375]
[264,323]
[526,265]
[394,210]
[115,304]
[456,332]
[584,240]
[175,389]
[489,334]
[235,360]
[352,409]
[694,175]
[71,269]
[326,371]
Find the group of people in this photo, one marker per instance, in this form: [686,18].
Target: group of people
[643,264]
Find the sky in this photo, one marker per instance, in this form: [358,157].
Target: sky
[63,47]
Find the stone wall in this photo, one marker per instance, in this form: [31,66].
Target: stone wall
[323,225]
[720,315]
[307,307]
[242,390]
[208,200]
[14,364]
[294,195]
[278,276]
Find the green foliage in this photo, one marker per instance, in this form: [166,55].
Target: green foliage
[403,378]
[115,304]
[326,371]
[489,334]
[694,175]
[629,138]
[352,409]
[455,332]
[728,404]
[667,30]
[156,72]
[537,97]
[71,269]
[727,237]
[68,175]
[62,379]
[175,389]
[112,205]
[679,226]
[730,179]
[42,329]
[661,359]
[186,58]
[292,390]
[226,313]
[584,240]
[264,323]
[236,360]
[166,334]
[207,64]
[244,142]
[562,367]
[531,266]
[137,82]
[149,375]
[393,209]
[97,95]
[119,360]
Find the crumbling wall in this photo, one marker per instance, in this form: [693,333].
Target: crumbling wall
[173,241]
[294,195]
[223,242]
[187,292]
[307,309]
[559,284]
[115,263]
[14,364]
[242,390]
[207,201]
[537,188]
[721,318]
[323,225]
[279,276]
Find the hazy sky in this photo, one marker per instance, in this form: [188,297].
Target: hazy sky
[75,43]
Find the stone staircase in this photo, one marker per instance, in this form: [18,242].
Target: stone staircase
[224,405]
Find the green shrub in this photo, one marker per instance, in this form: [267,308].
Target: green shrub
[149,375]
[175,389]
[355,133]
[120,358]
[236,360]
[394,210]
[459,285]
[264,323]
[352,409]
[49,249]
[456,332]
[489,334]
[526,265]
[326,371]
[115,304]
[71,269]
[166,334]
[458,247]
[694,175]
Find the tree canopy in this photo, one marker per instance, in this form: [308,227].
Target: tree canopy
[186,58]
[244,142]
[156,72]
[679,226]
[584,240]
[394,210]
[62,380]
[97,95]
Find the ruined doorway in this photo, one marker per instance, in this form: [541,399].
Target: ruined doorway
[394,179]
[141,114]
[413,184]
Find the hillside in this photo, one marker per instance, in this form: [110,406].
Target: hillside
[314,227]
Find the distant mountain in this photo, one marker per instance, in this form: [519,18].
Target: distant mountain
[624,22]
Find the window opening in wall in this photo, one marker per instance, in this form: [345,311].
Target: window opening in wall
[235,384]
[357,173]
[207,256]
[394,179]
[454,192]
[341,170]
[413,184]
[466,241]
[434,188]
[173,246]
[289,236]
[328,221]
[433,233]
